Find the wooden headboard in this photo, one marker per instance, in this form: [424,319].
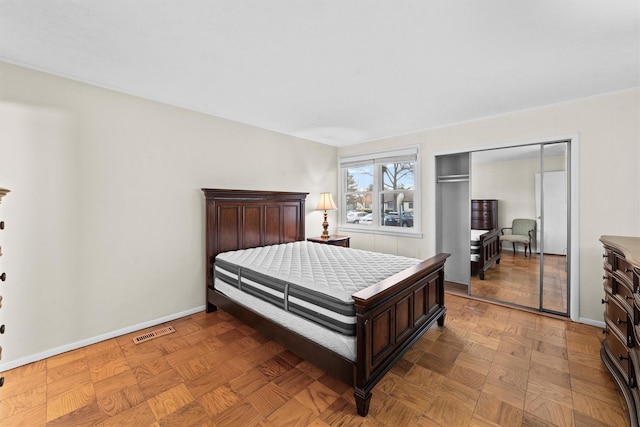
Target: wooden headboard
[240,219]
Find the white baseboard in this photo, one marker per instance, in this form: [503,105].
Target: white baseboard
[83,343]
[598,323]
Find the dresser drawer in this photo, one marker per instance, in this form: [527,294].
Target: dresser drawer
[617,285]
[620,288]
[609,259]
[480,224]
[617,320]
[619,353]
[483,205]
[634,373]
[623,268]
[481,214]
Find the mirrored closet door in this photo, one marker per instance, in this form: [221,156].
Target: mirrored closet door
[504,216]
[530,186]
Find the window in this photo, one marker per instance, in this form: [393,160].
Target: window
[379,191]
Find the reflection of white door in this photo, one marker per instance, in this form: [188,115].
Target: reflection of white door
[555,212]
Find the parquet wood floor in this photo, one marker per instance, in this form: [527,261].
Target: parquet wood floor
[516,280]
[488,366]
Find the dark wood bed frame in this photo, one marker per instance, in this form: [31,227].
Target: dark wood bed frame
[391,315]
[489,252]
[484,216]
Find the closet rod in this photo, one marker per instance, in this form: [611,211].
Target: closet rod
[452,178]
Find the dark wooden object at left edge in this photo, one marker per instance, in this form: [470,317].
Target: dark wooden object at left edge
[484,216]
[391,315]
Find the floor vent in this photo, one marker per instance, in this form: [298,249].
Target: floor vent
[153,334]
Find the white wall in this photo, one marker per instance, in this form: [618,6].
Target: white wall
[512,183]
[608,128]
[105,220]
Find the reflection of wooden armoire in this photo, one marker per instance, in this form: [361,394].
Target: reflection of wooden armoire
[484,214]
[485,235]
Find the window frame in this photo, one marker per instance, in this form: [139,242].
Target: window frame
[377,159]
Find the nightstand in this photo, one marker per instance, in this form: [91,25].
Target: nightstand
[334,240]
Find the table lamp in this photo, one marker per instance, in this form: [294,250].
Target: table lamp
[326,203]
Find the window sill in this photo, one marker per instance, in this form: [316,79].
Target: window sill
[383,232]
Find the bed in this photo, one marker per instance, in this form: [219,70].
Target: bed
[389,316]
[485,250]
[485,236]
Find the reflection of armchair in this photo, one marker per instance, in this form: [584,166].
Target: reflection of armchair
[522,231]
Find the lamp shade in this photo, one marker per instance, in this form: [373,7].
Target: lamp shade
[326,203]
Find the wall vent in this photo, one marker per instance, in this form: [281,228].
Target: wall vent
[153,334]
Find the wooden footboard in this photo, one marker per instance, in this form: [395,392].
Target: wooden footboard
[391,316]
[489,251]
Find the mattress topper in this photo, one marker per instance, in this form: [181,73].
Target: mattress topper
[339,272]
[475,234]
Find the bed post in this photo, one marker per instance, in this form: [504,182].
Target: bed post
[363,399]
[391,316]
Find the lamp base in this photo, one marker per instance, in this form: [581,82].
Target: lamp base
[325,226]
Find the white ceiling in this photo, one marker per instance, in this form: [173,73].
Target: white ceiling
[336,72]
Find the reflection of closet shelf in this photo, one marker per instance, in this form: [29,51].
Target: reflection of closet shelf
[453,178]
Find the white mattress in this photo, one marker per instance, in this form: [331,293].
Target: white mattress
[475,244]
[343,345]
[324,276]
[339,272]
[475,235]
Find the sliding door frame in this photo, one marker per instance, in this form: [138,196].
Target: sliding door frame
[541,250]
[573,270]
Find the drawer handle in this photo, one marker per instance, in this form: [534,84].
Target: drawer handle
[2,329]
[605,331]
[627,297]
[619,322]
[604,301]
[1,381]
[1,225]
[604,255]
[621,357]
[627,270]
[3,276]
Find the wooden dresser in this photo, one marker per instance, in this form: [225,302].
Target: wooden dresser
[3,277]
[620,347]
[484,214]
